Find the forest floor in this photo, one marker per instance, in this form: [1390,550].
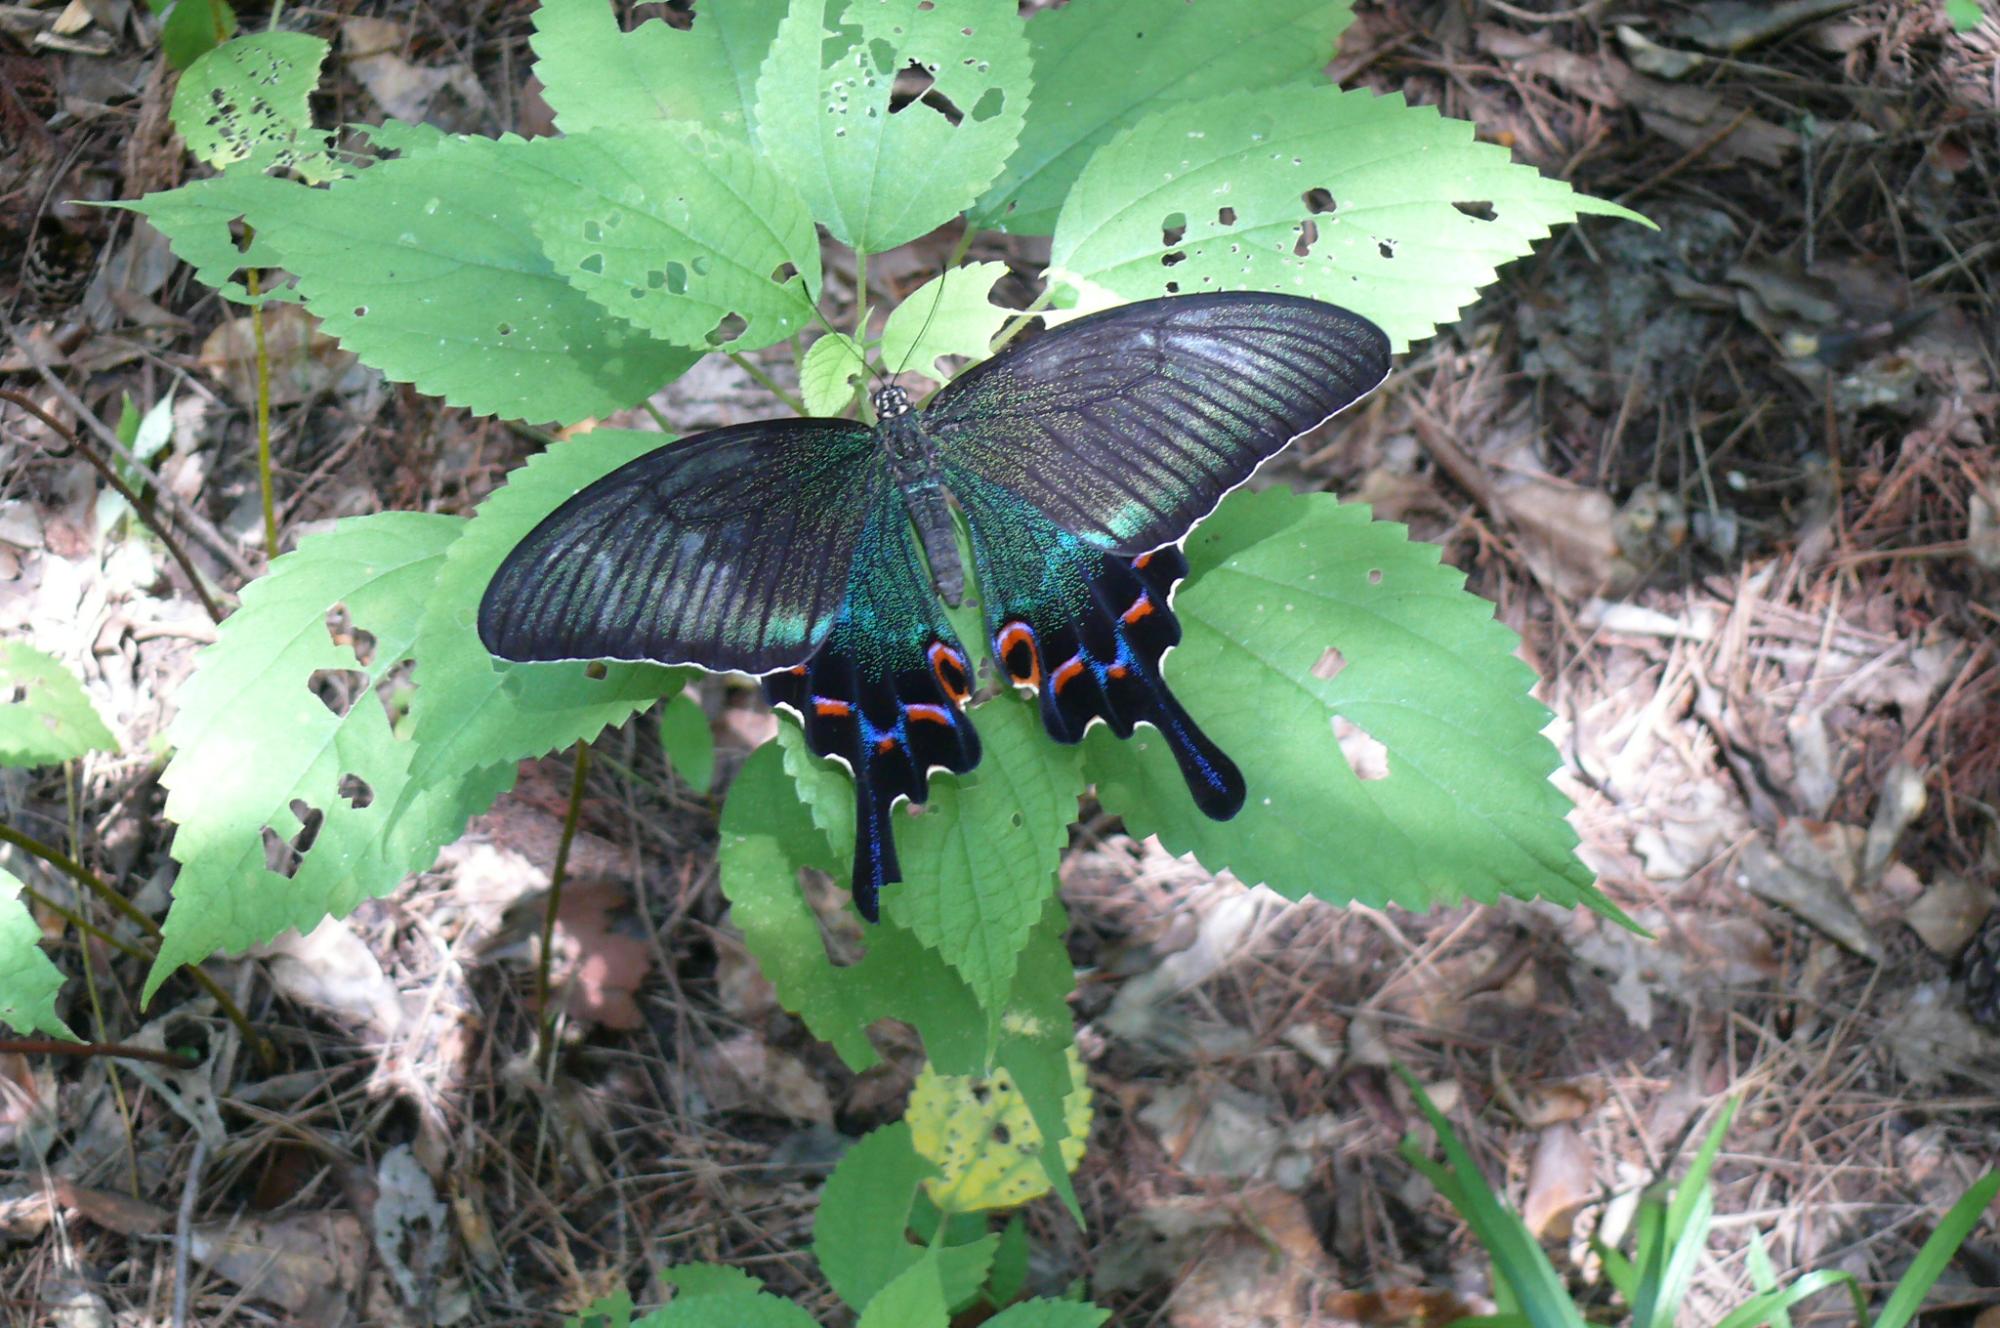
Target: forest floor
[1732,481]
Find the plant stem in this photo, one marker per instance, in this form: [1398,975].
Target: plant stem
[92,882]
[769,383]
[556,874]
[253,280]
[959,250]
[124,490]
[1021,321]
[57,1047]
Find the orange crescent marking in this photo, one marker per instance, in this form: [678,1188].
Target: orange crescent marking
[1017,633]
[1118,670]
[1140,608]
[887,744]
[831,709]
[1141,561]
[934,714]
[1070,668]
[941,655]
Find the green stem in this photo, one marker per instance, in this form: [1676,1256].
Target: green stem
[254,282]
[959,250]
[1021,321]
[556,875]
[770,384]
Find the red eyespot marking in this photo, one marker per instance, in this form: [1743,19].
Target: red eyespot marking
[1140,608]
[1017,652]
[797,670]
[1117,671]
[934,714]
[830,709]
[886,744]
[1070,668]
[1141,561]
[949,667]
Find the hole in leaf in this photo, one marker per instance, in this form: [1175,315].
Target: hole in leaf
[1308,237]
[883,54]
[1317,200]
[1329,664]
[1386,248]
[595,669]
[1173,288]
[360,311]
[593,264]
[505,329]
[699,265]
[1017,820]
[1173,258]
[356,790]
[980,1092]
[677,278]
[783,273]
[593,231]
[1172,227]
[926,6]
[1481,211]
[1002,1135]
[342,632]
[1374,576]
[16,694]
[1225,216]
[337,688]
[731,327]
[989,105]
[1366,757]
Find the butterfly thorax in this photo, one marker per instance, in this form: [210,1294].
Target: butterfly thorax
[913,463]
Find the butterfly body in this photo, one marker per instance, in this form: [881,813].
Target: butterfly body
[815,552]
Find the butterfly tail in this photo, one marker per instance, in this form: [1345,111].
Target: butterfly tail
[874,850]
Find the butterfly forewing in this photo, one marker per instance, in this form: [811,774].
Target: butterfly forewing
[1128,426]
[730,550]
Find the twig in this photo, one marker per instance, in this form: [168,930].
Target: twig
[58,1047]
[124,490]
[1686,159]
[770,384]
[556,874]
[183,1224]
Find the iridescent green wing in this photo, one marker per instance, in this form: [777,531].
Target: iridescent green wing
[730,550]
[1082,458]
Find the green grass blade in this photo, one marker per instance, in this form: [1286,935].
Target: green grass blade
[1908,1297]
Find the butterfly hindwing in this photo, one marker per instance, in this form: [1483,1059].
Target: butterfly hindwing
[885,692]
[729,550]
[1126,427]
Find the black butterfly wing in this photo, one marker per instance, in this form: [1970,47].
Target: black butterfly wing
[1128,426]
[1081,457]
[730,549]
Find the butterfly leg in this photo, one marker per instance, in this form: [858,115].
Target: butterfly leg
[890,727]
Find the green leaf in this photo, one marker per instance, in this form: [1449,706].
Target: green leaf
[29,982]
[709,1279]
[729,1310]
[1223,194]
[875,178]
[915,1299]
[828,375]
[689,743]
[1964,15]
[1049,1314]
[1009,1276]
[674,229]
[1161,51]
[860,1233]
[596,77]
[249,98]
[948,315]
[195,219]
[1924,1270]
[428,268]
[52,720]
[1302,612]
[252,742]
[192,28]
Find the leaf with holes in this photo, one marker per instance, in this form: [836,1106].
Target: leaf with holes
[950,314]
[1389,210]
[29,983]
[257,751]
[45,718]
[249,99]
[428,268]
[877,174]
[197,220]
[980,1135]
[1396,754]
[684,234]
[833,367]
[1163,51]
[595,76]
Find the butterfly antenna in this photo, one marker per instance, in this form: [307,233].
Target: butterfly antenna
[936,300]
[861,355]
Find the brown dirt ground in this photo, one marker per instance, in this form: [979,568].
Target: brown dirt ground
[1732,482]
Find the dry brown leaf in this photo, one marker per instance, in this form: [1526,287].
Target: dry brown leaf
[1812,870]
[747,1074]
[600,968]
[1266,1267]
[1397,1307]
[1560,1181]
[402,89]
[305,362]
[307,1263]
[332,968]
[1949,913]
[1539,1106]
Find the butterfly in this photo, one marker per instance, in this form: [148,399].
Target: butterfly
[815,551]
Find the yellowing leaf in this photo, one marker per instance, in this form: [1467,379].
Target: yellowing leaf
[978,1132]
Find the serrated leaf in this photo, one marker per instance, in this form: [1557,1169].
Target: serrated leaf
[192,28]
[52,721]
[689,743]
[829,373]
[428,268]
[709,1279]
[252,741]
[1010,1262]
[675,229]
[948,315]
[860,1232]
[1049,1314]
[875,178]
[1964,15]
[981,1136]
[915,1299]
[195,219]
[1342,196]
[248,98]
[594,76]
[1162,51]
[1418,665]
[979,861]
[733,1309]
[473,712]
[29,981]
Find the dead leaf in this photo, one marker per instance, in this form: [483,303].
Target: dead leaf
[1264,1268]
[1560,1181]
[600,969]
[1813,871]
[402,89]
[748,1074]
[1397,1307]
[1949,913]
[305,362]
[409,1222]
[333,969]
[1539,1106]
[308,1264]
